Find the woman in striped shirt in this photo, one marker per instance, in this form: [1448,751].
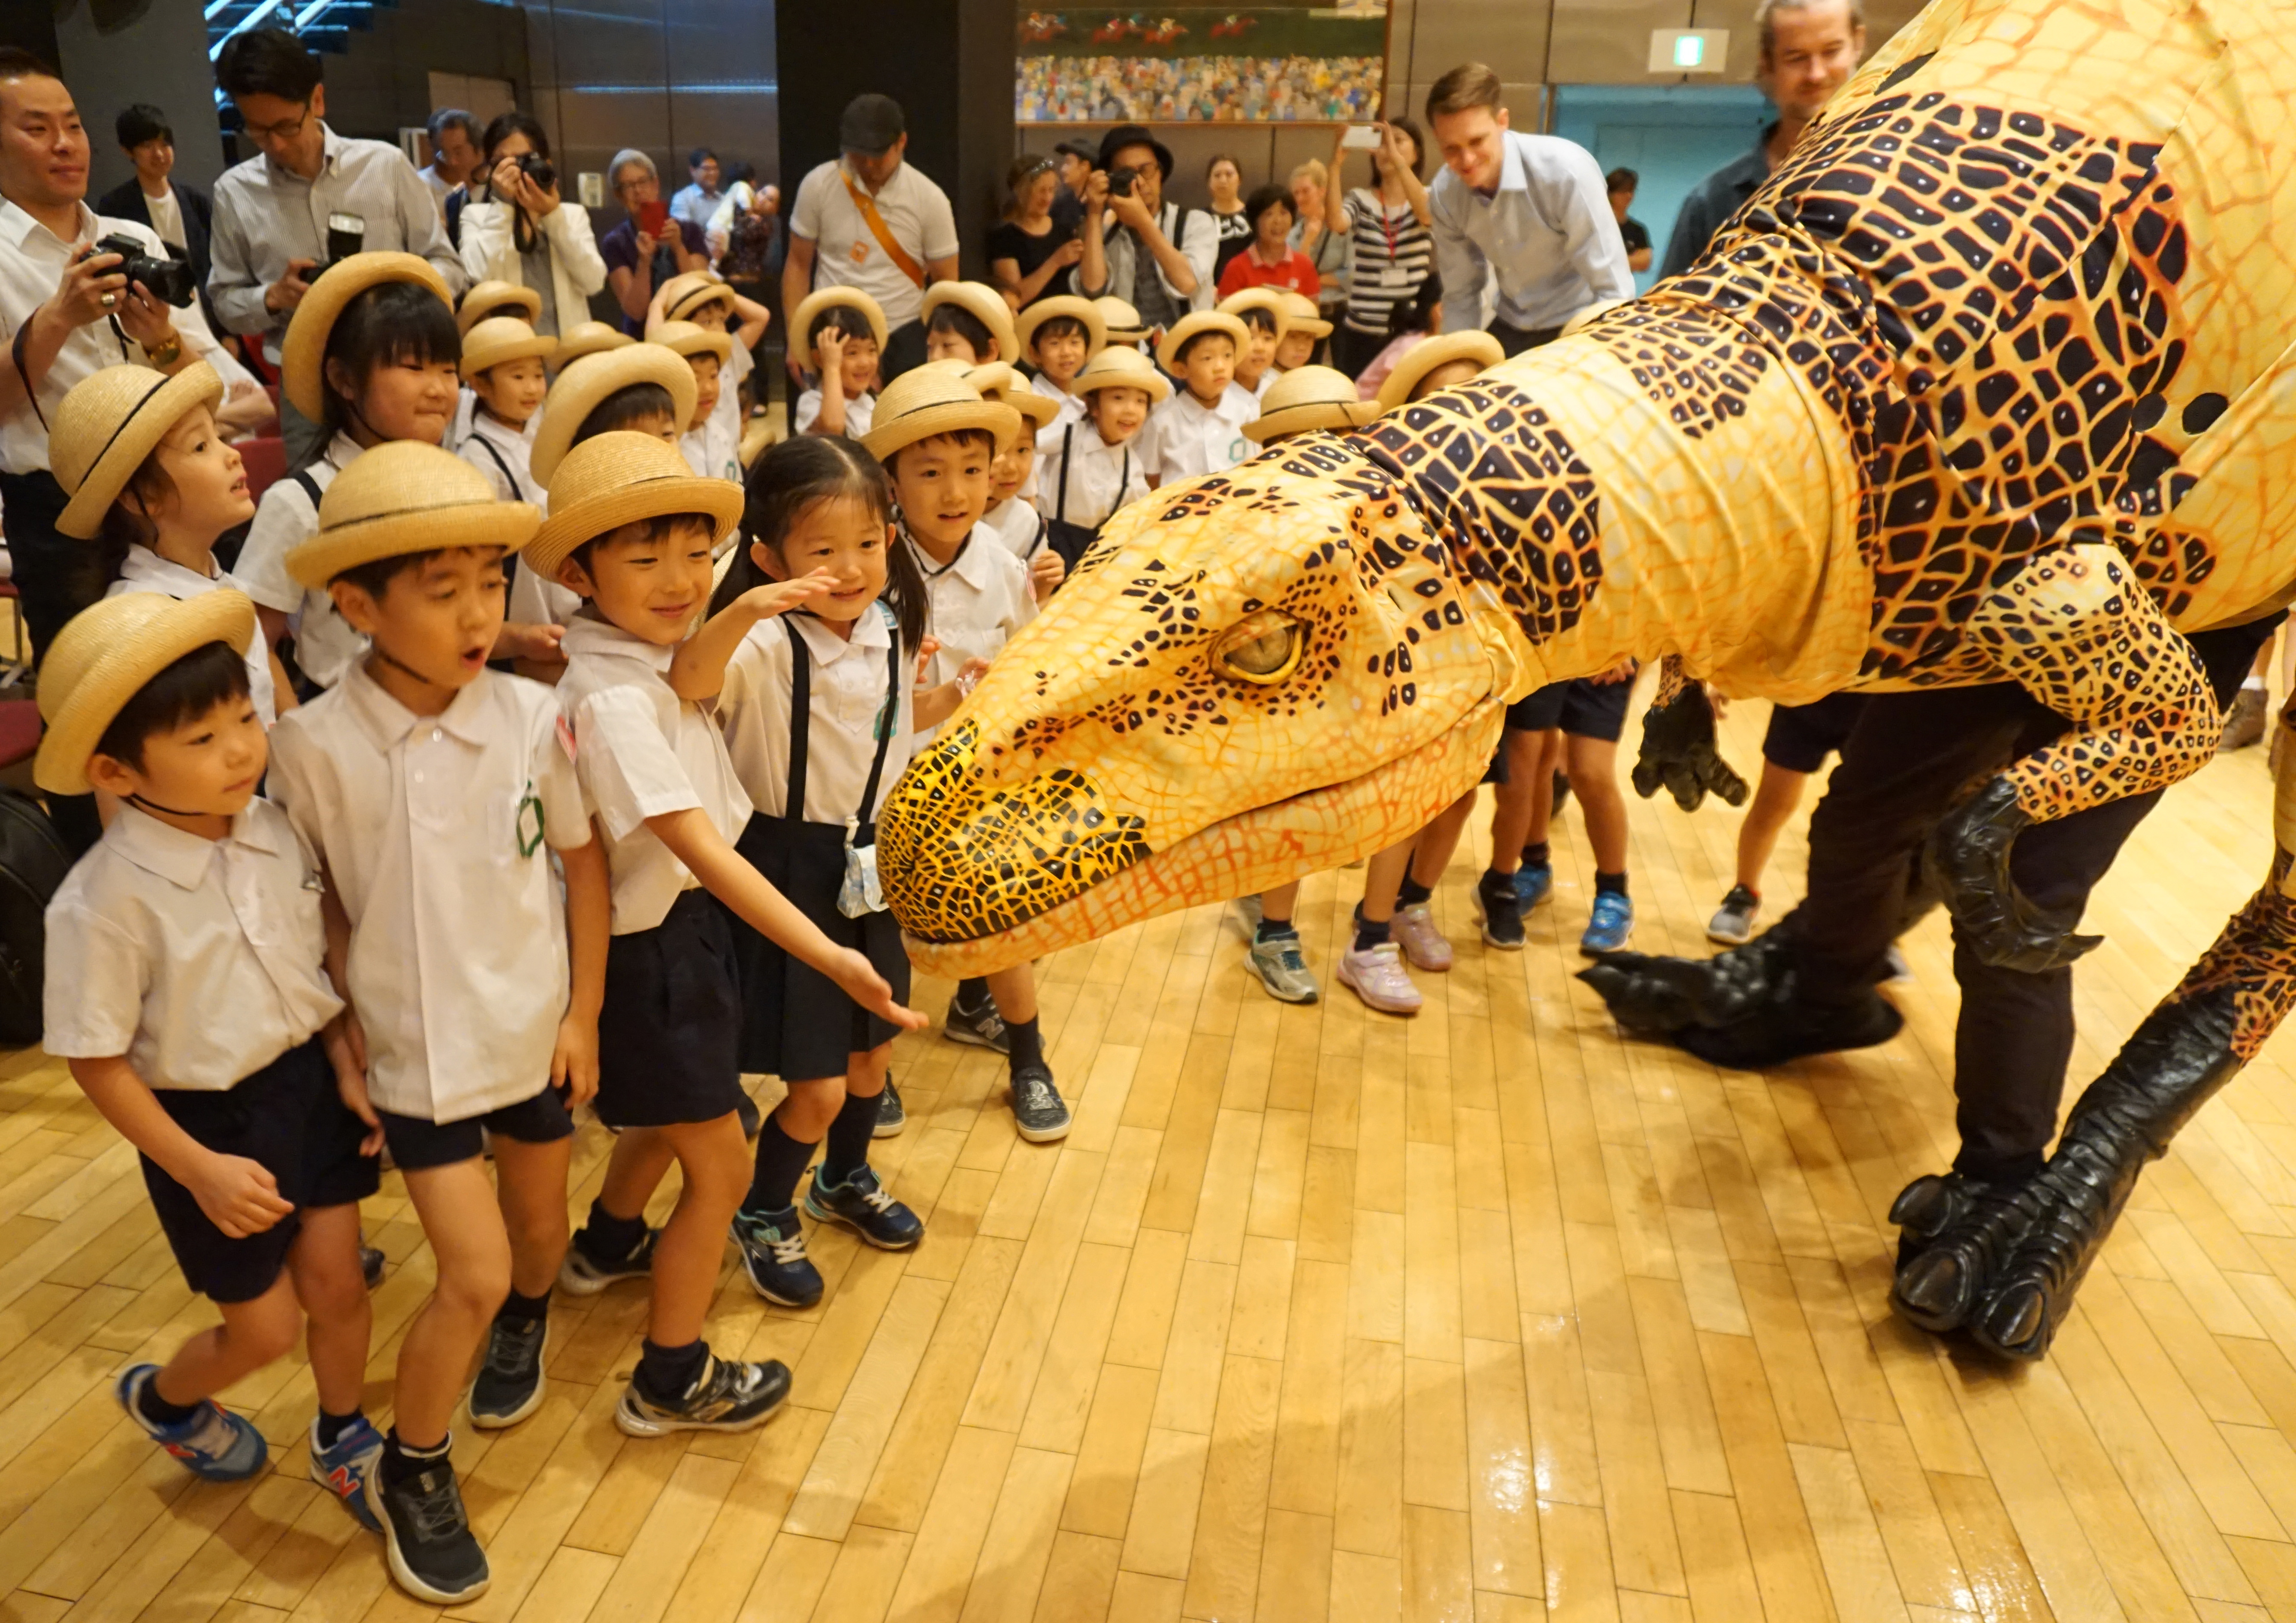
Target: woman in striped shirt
[1392,250]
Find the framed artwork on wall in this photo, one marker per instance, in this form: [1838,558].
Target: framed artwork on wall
[1287,63]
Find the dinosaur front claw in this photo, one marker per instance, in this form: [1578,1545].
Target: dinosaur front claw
[1678,753]
[1968,855]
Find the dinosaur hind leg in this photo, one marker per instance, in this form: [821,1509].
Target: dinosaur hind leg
[2076,629]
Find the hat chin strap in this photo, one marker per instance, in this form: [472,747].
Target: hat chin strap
[404,669]
[141,804]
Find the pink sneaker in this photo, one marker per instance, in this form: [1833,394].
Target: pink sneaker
[1413,930]
[1379,978]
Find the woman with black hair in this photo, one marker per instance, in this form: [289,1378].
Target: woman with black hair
[1391,249]
[515,228]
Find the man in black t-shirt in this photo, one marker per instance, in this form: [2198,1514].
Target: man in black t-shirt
[1620,184]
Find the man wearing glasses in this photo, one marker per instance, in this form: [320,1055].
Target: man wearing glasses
[309,195]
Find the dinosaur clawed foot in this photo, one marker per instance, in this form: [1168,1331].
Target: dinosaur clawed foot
[1650,993]
[1968,855]
[1953,1233]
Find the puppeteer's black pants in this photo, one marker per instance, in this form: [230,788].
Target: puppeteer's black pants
[1902,768]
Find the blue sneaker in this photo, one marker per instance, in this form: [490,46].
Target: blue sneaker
[862,1205]
[773,1255]
[1532,886]
[215,1444]
[1612,922]
[342,1470]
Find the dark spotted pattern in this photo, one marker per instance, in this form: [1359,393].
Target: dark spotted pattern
[2256,957]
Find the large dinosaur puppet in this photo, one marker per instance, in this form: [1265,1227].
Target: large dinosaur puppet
[1991,380]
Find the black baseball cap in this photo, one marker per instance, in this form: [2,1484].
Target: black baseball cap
[872,123]
[1132,135]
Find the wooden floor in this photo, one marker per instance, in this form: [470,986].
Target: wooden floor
[1318,1315]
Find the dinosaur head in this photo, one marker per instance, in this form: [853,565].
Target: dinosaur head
[1262,673]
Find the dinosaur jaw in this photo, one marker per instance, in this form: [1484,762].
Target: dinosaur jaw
[1250,852]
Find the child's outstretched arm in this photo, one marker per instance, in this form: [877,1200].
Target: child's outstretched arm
[694,841]
[697,670]
[589,925]
[240,1196]
[934,705]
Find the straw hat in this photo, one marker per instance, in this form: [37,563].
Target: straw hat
[303,353]
[404,496]
[1117,368]
[499,339]
[104,657]
[684,338]
[1268,299]
[801,325]
[1309,397]
[1168,353]
[683,295]
[997,382]
[1085,310]
[581,386]
[108,424]
[1120,322]
[618,479]
[493,298]
[934,400]
[1302,315]
[1424,357]
[986,305]
[589,338]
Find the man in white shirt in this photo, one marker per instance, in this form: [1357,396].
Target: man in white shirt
[454,153]
[1524,215]
[870,221]
[694,204]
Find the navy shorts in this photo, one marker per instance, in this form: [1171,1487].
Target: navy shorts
[669,1033]
[1800,736]
[1580,707]
[416,1144]
[288,1118]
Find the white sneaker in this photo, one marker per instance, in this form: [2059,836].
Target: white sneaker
[1379,978]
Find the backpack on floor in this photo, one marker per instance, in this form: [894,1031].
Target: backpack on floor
[33,861]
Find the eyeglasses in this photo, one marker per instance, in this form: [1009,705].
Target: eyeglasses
[286,129]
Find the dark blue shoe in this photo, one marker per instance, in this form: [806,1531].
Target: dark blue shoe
[342,1470]
[773,1255]
[1612,922]
[1532,886]
[862,1205]
[214,1445]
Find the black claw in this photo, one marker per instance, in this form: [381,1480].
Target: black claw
[1969,857]
[1932,1291]
[1678,754]
[2017,1325]
[1925,1206]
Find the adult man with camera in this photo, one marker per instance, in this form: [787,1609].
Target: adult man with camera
[308,198]
[1155,256]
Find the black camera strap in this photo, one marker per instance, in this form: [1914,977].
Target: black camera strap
[31,390]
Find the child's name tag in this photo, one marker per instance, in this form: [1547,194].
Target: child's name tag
[1394,275]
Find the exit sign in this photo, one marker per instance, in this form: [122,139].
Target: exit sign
[1689,50]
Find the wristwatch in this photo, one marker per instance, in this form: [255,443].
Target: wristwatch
[167,354]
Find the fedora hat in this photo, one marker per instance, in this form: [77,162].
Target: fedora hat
[934,400]
[581,386]
[1121,323]
[1268,299]
[1302,315]
[618,479]
[303,353]
[1194,324]
[684,338]
[1117,367]
[588,338]
[1309,397]
[495,297]
[106,654]
[1423,357]
[108,424]
[985,305]
[800,326]
[1085,310]
[1133,134]
[683,295]
[503,338]
[404,496]
[997,382]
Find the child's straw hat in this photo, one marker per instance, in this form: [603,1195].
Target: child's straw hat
[1310,397]
[800,326]
[582,386]
[107,653]
[303,353]
[588,338]
[1425,357]
[997,382]
[1085,310]
[1117,368]
[404,496]
[618,479]
[985,305]
[503,338]
[493,298]
[108,424]
[930,400]
[1194,324]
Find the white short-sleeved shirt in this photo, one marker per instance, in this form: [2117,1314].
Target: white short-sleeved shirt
[145,570]
[642,751]
[536,601]
[200,960]
[1184,438]
[725,416]
[1071,405]
[975,603]
[325,645]
[1105,476]
[858,413]
[505,454]
[1017,523]
[849,686]
[916,214]
[709,453]
[434,829]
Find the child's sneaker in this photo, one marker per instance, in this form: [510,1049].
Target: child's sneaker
[510,1383]
[1612,922]
[343,1470]
[370,1264]
[862,1205]
[1502,913]
[214,1445]
[1534,883]
[1897,972]
[585,1273]
[426,1534]
[1378,977]
[1733,923]
[1282,969]
[1413,929]
[892,1116]
[1039,1114]
[773,1255]
[726,1396]
[982,1027]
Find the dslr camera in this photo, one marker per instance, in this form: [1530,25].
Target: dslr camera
[538,169]
[345,236]
[163,278]
[1120,180]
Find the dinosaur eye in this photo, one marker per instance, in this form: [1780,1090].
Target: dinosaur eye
[1262,648]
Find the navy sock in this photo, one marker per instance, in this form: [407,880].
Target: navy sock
[158,1410]
[1275,929]
[1538,855]
[401,1462]
[1411,894]
[667,1371]
[969,995]
[526,1309]
[1028,1043]
[1369,935]
[781,1160]
[1609,884]
[845,1149]
[1495,881]
[607,1238]
[331,1427]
